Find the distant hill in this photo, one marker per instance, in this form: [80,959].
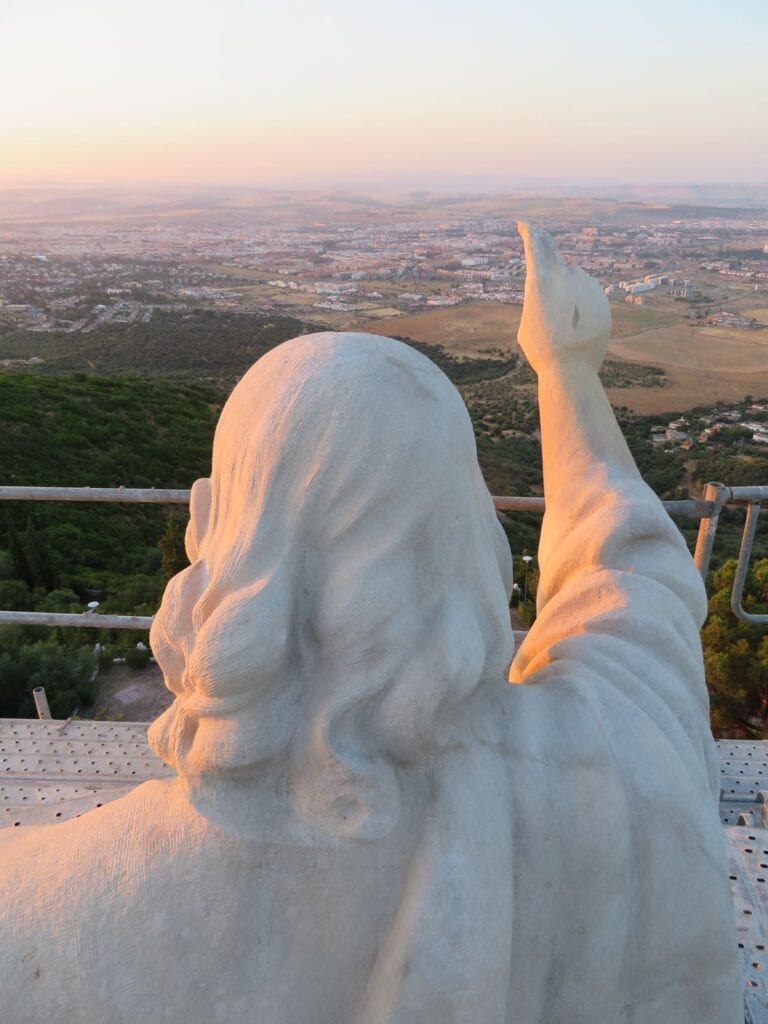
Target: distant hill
[465,198]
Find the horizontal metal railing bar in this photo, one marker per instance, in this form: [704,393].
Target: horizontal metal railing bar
[742,495]
[516,504]
[695,507]
[704,509]
[93,621]
[85,620]
[128,494]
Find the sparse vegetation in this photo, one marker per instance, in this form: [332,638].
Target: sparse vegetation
[615,374]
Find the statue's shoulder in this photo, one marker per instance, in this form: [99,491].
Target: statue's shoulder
[70,866]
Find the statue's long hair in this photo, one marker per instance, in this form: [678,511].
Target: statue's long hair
[347,597]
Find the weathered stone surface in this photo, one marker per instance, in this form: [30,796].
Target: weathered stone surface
[355,833]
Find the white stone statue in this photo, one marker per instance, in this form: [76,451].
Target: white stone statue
[369,824]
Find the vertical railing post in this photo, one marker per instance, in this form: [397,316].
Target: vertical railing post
[41,702]
[718,494]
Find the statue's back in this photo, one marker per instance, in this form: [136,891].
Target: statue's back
[370,825]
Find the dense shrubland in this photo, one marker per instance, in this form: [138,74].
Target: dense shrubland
[213,346]
[153,428]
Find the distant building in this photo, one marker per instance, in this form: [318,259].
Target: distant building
[683,289]
[733,320]
[636,287]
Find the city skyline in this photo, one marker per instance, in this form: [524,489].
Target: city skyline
[332,94]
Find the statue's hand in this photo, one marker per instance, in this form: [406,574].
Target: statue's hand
[566,317]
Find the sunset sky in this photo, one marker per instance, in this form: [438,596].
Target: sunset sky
[251,92]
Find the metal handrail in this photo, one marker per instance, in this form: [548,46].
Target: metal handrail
[720,496]
[696,508]
[151,495]
[706,509]
[742,567]
[81,620]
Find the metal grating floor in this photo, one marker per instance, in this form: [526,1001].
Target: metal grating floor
[51,771]
[744,812]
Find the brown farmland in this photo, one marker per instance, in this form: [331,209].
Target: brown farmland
[703,365]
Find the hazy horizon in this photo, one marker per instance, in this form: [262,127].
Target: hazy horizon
[309,95]
[751,191]
[436,184]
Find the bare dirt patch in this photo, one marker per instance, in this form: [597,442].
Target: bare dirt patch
[131,695]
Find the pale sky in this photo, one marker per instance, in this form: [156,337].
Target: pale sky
[254,92]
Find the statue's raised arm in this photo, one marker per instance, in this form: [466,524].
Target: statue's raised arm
[614,715]
[609,552]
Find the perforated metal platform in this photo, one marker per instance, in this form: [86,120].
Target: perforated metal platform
[744,812]
[51,771]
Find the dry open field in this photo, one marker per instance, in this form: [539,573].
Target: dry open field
[474,330]
[462,330]
[703,364]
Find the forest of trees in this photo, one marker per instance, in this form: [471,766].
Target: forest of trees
[215,347]
[84,430]
[149,423]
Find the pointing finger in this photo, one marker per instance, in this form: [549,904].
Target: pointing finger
[541,256]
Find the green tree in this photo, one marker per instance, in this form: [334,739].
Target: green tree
[41,570]
[67,676]
[173,557]
[60,600]
[137,657]
[19,562]
[15,596]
